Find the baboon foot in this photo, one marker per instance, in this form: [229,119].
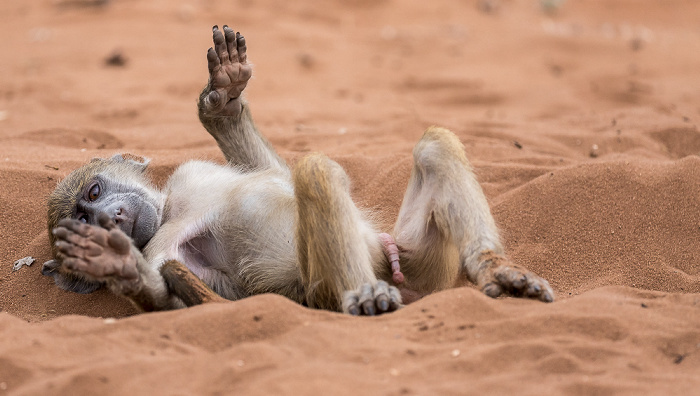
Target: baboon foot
[372,299]
[101,253]
[500,276]
[229,73]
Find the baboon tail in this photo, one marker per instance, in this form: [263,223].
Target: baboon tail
[187,286]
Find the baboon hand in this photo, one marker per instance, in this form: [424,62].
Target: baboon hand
[372,299]
[102,253]
[229,73]
[500,276]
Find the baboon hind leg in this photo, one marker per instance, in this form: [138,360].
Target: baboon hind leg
[445,228]
[336,246]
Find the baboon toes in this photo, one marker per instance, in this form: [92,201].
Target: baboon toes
[372,299]
[515,281]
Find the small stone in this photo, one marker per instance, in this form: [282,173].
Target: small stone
[455,353]
[28,261]
[116,58]
[594,151]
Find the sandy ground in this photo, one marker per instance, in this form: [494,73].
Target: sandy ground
[581,124]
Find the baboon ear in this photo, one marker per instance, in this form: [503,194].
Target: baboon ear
[140,163]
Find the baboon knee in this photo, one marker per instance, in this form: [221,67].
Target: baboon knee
[315,175]
[435,149]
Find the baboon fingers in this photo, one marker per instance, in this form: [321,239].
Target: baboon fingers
[240,43]
[119,241]
[71,250]
[231,45]
[65,234]
[105,221]
[220,46]
[212,60]
[75,226]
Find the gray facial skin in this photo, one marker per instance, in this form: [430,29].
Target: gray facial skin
[134,209]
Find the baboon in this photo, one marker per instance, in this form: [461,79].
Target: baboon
[256,226]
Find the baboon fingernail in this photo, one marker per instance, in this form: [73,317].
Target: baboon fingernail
[383,305]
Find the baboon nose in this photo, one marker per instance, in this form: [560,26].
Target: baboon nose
[117,216]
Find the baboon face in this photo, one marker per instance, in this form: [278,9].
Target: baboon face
[114,186]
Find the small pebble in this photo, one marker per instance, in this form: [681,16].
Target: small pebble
[594,151]
[28,261]
[116,58]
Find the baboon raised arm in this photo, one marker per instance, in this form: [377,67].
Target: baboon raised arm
[224,112]
[225,232]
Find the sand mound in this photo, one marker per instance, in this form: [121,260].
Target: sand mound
[581,123]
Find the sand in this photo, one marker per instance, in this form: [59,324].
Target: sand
[581,123]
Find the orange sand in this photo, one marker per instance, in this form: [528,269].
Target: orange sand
[581,124]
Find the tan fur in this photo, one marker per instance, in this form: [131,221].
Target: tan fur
[334,242]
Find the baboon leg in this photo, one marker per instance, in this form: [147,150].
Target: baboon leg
[445,228]
[336,245]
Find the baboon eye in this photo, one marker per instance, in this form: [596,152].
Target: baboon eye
[94,192]
[83,218]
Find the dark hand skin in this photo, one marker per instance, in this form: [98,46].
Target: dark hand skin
[229,73]
[103,253]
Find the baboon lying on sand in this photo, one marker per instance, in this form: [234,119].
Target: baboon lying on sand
[255,226]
